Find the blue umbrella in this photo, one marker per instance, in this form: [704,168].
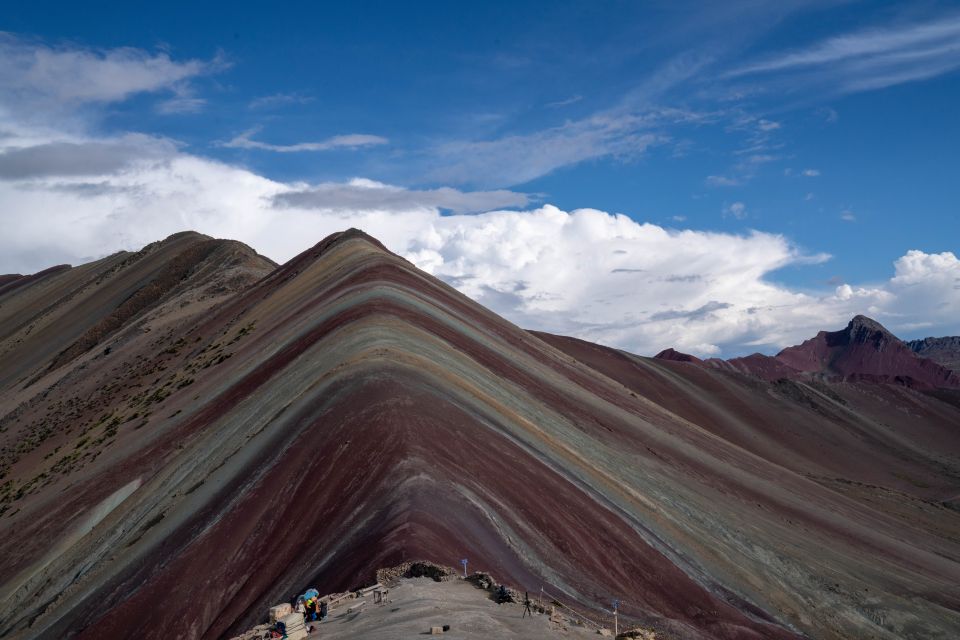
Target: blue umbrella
[310,593]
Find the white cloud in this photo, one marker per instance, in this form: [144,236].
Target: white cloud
[80,157]
[927,290]
[519,158]
[348,141]
[722,181]
[810,173]
[278,100]
[586,273]
[34,73]
[869,59]
[565,102]
[848,216]
[738,210]
[369,195]
[181,104]
[829,115]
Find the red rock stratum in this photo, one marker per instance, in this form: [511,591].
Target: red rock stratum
[191,434]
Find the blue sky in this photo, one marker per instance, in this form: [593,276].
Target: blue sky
[821,135]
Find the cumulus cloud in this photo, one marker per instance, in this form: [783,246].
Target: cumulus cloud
[926,287]
[348,141]
[595,275]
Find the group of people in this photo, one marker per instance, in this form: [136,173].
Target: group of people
[310,607]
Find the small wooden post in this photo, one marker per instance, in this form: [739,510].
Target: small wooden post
[616,607]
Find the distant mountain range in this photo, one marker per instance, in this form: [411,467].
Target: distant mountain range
[864,350]
[945,351]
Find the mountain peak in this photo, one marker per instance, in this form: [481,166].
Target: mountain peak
[862,327]
[343,236]
[676,356]
[862,330]
[860,322]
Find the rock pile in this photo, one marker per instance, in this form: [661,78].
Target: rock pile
[415,569]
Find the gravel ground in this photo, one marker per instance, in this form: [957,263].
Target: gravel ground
[420,603]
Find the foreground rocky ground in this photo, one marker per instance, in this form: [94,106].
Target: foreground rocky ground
[415,605]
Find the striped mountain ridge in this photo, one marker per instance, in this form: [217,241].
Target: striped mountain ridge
[190,455]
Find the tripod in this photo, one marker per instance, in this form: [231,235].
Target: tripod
[526,605]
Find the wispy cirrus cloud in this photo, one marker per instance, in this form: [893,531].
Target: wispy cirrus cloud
[349,141]
[759,147]
[565,102]
[276,100]
[181,105]
[722,181]
[515,159]
[641,119]
[871,58]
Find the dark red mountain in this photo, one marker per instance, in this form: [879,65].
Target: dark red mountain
[677,356]
[866,350]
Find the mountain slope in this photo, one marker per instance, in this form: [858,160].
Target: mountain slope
[348,411]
